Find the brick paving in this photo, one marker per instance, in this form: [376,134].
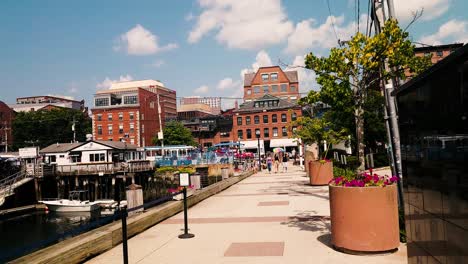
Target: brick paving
[267,218]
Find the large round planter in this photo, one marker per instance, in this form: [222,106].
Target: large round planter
[320,173]
[364,219]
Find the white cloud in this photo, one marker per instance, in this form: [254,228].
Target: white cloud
[107,82]
[308,34]
[306,77]
[140,41]
[242,24]
[261,60]
[404,9]
[228,84]
[450,32]
[201,90]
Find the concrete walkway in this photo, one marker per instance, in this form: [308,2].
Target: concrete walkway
[267,218]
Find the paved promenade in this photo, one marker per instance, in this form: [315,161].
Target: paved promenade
[267,218]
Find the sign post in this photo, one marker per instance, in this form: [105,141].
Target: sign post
[184,181]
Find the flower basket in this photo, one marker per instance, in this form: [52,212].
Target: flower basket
[364,219]
[320,172]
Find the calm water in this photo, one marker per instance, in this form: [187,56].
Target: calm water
[20,235]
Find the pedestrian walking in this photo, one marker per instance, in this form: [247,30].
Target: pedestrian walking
[285,163]
[269,162]
[277,161]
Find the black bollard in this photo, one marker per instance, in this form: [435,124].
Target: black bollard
[186,234]
[123,214]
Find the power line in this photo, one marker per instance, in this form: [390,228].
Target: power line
[358,14]
[368,30]
[332,21]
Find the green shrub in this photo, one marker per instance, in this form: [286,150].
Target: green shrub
[163,170]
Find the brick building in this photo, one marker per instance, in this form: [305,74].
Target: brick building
[6,135]
[438,52]
[271,116]
[46,102]
[271,80]
[214,103]
[131,109]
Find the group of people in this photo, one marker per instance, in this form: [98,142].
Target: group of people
[273,162]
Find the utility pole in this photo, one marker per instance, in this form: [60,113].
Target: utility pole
[73,129]
[379,20]
[6,136]
[160,134]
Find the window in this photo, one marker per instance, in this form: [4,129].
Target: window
[284,88]
[249,133]
[109,129]
[120,128]
[249,92]
[109,117]
[132,128]
[274,118]
[256,89]
[294,129]
[120,116]
[274,88]
[96,157]
[101,101]
[247,120]
[132,116]
[284,131]
[99,130]
[292,88]
[224,134]
[76,159]
[256,119]
[52,158]
[62,156]
[293,116]
[99,117]
[239,121]
[274,76]
[265,119]
[152,105]
[142,128]
[266,89]
[283,117]
[132,141]
[240,134]
[142,116]
[275,131]
[266,132]
[130,99]
[265,77]
[439,53]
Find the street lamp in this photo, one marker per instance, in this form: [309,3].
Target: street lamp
[257,133]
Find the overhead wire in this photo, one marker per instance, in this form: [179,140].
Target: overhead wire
[332,21]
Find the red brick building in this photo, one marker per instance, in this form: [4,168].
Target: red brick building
[6,135]
[271,116]
[271,80]
[130,109]
[438,52]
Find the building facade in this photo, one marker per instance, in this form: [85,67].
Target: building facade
[438,52]
[271,80]
[6,134]
[133,111]
[47,102]
[433,122]
[214,103]
[270,116]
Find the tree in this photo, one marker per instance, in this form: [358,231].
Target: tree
[45,127]
[348,75]
[176,134]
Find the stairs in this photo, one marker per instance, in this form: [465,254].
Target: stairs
[10,183]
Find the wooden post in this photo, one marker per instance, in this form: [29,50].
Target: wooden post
[37,188]
[96,188]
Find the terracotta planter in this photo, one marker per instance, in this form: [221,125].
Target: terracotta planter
[320,173]
[364,219]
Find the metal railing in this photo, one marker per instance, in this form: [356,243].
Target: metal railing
[7,185]
[106,168]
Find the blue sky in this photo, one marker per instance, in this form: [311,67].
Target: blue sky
[200,48]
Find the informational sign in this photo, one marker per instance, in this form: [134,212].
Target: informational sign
[160,135]
[184,179]
[31,152]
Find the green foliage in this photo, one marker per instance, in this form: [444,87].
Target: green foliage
[350,76]
[45,127]
[189,170]
[176,134]
[346,173]
[167,169]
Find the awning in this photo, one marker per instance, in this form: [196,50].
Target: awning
[251,144]
[283,142]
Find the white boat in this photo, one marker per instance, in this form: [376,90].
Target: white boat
[73,204]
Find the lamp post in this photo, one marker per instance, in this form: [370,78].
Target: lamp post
[257,133]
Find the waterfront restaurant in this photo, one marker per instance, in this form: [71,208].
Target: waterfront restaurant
[94,155]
